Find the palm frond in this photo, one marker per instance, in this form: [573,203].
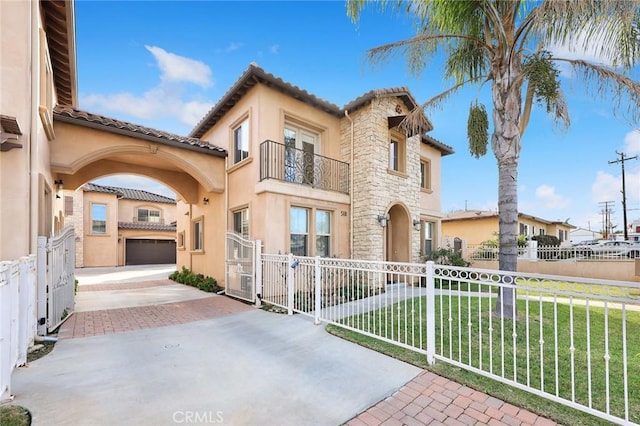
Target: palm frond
[608,28]
[416,121]
[608,83]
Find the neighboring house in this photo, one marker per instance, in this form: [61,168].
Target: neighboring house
[308,177]
[634,231]
[121,226]
[476,226]
[579,235]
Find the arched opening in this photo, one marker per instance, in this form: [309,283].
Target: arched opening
[398,235]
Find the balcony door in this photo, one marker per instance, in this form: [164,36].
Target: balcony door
[300,146]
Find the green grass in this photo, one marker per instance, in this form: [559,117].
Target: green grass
[14,415]
[455,339]
[549,287]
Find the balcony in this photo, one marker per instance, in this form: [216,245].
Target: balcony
[289,164]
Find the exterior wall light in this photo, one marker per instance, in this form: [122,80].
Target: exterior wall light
[382,220]
[416,224]
[205,200]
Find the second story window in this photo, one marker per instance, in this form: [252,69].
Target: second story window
[98,218]
[425,174]
[148,215]
[397,153]
[241,142]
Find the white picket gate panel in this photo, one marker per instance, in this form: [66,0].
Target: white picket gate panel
[56,280]
[17,317]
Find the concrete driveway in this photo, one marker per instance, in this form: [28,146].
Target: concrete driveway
[241,367]
[249,368]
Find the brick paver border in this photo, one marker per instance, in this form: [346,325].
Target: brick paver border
[125,286]
[109,321]
[432,399]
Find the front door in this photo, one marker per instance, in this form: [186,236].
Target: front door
[398,235]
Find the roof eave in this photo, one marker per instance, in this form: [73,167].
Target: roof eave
[124,132]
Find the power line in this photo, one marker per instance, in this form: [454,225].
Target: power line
[621,160]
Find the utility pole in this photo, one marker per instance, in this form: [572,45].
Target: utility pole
[606,218]
[621,160]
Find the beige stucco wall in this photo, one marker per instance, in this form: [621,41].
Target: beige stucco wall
[78,162]
[128,210]
[211,260]
[101,249]
[22,182]
[624,270]
[472,231]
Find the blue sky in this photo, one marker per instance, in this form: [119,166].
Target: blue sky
[164,64]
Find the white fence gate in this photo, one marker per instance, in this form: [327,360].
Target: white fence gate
[240,279]
[17,317]
[56,278]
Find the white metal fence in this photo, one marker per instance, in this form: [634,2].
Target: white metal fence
[574,341]
[554,253]
[17,317]
[240,264]
[56,277]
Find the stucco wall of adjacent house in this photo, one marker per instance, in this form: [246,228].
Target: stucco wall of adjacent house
[473,231]
[17,229]
[624,270]
[101,249]
[128,210]
[375,188]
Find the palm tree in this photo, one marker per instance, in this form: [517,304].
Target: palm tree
[508,44]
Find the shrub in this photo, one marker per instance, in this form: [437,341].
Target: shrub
[185,276]
[546,240]
[448,256]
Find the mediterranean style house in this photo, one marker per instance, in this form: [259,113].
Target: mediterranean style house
[121,226]
[269,161]
[308,177]
[476,226]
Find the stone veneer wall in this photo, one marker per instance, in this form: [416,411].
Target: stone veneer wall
[77,221]
[375,190]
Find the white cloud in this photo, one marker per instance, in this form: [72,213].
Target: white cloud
[550,200]
[233,46]
[577,48]
[606,187]
[179,68]
[274,49]
[164,101]
[632,142]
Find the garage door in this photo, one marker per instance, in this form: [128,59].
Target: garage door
[148,252]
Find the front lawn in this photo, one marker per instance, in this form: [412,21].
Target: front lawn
[528,353]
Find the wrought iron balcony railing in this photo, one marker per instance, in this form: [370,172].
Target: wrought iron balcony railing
[289,164]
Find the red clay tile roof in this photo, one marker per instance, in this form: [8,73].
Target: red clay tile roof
[149,226]
[250,78]
[255,75]
[71,115]
[129,194]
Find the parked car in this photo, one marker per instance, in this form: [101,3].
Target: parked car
[616,248]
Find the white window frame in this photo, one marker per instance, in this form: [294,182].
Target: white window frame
[243,215]
[197,233]
[240,135]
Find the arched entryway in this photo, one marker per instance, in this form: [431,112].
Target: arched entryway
[398,235]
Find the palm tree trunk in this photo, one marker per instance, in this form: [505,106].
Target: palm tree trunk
[505,142]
